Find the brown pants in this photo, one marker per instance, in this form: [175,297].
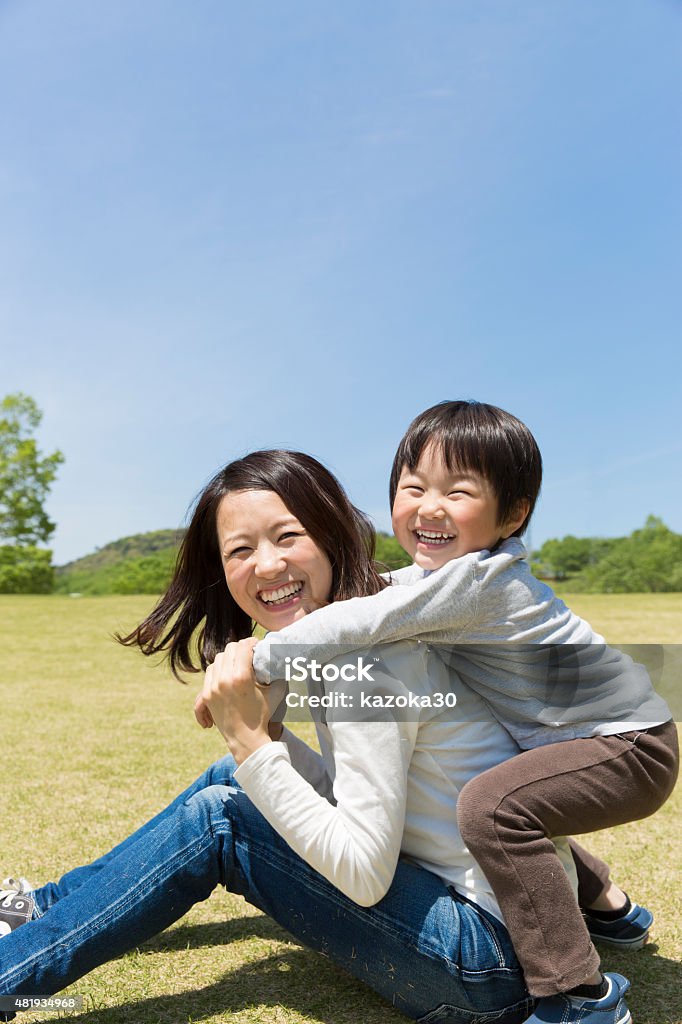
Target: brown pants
[508,815]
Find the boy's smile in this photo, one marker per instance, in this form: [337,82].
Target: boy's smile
[433,538]
[440,514]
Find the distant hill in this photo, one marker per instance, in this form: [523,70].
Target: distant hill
[138,546]
[143,563]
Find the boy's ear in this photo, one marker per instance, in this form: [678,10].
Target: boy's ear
[516,518]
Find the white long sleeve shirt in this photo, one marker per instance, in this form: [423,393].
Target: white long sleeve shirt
[385,787]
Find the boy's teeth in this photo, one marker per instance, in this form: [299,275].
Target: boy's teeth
[282,593]
[438,538]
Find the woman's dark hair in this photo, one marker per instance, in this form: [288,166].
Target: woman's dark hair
[482,439]
[198,595]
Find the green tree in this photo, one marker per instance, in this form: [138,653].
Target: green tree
[389,553]
[648,561]
[571,555]
[25,570]
[26,475]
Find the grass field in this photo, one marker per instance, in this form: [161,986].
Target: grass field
[96,740]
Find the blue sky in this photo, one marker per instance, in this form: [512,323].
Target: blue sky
[229,226]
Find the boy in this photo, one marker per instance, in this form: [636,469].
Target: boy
[599,746]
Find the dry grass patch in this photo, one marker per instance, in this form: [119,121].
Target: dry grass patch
[631,618]
[97,740]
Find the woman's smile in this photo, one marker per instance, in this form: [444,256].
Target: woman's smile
[281,595]
[282,598]
[274,569]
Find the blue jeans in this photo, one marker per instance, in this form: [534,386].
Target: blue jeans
[428,951]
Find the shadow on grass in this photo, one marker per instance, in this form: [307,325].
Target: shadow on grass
[304,982]
[296,980]
[217,933]
[656,993]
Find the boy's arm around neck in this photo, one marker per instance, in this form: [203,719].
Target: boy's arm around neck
[435,608]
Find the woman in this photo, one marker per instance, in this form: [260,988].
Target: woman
[272,537]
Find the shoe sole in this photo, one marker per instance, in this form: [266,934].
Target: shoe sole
[627,1019]
[631,944]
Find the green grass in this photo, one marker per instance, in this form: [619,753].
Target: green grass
[631,618]
[97,739]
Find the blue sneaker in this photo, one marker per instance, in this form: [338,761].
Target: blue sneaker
[563,1009]
[630,931]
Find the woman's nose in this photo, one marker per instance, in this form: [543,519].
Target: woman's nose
[269,561]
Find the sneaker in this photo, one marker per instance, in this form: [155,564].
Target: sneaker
[564,1009]
[630,931]
[16,908]
[19,884]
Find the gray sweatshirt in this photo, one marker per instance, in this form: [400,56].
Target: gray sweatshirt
[545,674]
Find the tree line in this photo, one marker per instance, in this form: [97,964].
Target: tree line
[648,560]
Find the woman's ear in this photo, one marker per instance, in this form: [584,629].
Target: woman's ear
[516,519]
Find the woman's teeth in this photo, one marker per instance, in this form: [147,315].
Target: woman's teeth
[281,594]
[428,537]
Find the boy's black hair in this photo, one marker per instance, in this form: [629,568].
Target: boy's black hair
[482,439]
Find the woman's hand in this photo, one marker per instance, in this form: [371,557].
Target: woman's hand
[234,701]
[205,719]
[201,712]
